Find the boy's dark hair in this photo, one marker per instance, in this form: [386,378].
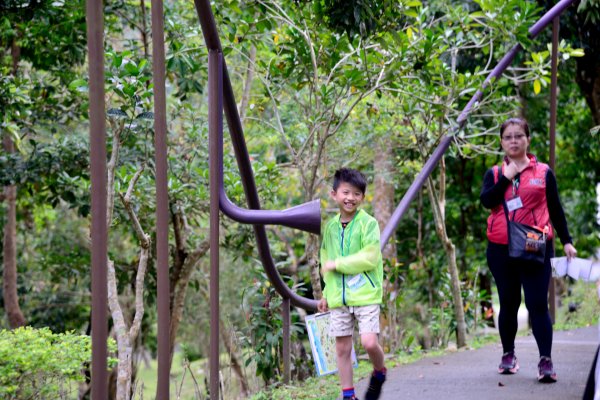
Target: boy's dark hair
[351,176]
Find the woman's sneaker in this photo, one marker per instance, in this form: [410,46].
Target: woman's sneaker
[546,372]
[509,364]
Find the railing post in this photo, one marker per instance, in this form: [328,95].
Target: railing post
[162,201]
[552,161]
[99,228]
[285,315]
[215,132]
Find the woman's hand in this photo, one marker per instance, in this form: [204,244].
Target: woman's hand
[322,306]
[511,170]
[570,251]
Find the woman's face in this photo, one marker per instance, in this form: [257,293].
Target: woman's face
[514,141]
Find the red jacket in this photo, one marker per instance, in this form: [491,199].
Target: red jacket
[532,191]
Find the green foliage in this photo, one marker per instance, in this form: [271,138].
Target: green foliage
[591,9]
[365,18]
[264,329]
[50,172]
[36,363]
[512,18]
[51,35]
[580,305]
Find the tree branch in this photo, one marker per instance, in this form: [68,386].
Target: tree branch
[113,303]
[110,173]
[139,294]
[248,83]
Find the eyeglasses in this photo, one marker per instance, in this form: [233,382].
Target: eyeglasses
[515,137]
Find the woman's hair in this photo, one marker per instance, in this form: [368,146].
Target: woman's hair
[515,121]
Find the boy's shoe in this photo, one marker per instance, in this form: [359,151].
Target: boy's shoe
[546,372]
[350,398]
[374,389]
[508,364]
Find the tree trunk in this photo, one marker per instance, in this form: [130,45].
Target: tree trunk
[383,207]
[230,346]
[438,205]
[179,290]
[247,84]
[9,279]
[312,256]
[588,79]
[144,31]
[427,342]
[234,359]
[126,334]
[11,297]
[383,192]
[461,326]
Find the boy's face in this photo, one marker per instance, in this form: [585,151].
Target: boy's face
[348,197]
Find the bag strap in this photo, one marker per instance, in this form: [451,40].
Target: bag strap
[496,171]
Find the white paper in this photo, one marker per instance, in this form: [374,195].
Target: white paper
[576,268]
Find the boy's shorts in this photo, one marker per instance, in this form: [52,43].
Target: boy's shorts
[342,320]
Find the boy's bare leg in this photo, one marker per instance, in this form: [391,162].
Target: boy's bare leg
[370,342]
[343,348]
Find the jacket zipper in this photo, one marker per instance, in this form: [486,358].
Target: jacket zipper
[343,275]
[369,278]
[344,289]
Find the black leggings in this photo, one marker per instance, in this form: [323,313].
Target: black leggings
[510,275]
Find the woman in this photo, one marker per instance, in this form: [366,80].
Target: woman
[529,189]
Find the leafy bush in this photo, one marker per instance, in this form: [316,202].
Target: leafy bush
[39,364]
[264,330]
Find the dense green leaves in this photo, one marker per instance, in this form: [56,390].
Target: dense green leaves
[331,80]
[36,363]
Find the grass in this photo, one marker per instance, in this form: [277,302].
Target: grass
[182,384]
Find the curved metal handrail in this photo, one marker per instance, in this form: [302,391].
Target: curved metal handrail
[212,40]
[211,37]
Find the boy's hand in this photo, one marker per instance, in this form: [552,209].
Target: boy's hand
[322,306]
[329,266]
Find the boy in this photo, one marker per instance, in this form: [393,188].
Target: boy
[352,269]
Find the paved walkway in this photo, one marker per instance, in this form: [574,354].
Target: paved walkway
[471,374]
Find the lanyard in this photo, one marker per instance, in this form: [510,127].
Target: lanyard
[515,186]
[351,225]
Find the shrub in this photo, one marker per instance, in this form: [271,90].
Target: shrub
[39,364]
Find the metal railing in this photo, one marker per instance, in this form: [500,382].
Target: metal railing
[221,99]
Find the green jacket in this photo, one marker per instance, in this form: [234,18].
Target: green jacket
[358,278]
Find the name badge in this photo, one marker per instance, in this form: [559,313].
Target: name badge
[356,281]
[514,204]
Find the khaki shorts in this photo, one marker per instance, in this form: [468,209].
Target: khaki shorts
[342,320]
